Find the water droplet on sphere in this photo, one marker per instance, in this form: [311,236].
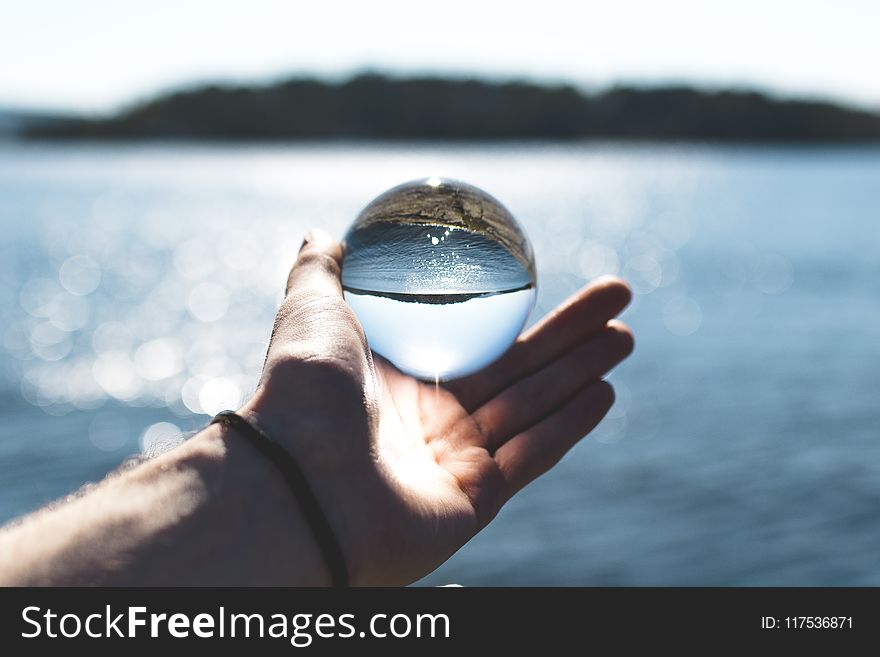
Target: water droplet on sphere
[440,275]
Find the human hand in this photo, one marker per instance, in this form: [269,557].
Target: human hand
[406,471]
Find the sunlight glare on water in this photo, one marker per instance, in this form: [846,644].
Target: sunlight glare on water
[138,287]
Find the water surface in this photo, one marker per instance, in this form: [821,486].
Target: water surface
[138,286]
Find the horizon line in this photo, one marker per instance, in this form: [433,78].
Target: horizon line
[342,76]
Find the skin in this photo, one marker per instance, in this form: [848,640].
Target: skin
[407,472]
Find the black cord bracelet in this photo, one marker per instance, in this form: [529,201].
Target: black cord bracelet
[299,485]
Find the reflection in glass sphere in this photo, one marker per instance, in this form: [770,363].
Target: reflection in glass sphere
[440,275]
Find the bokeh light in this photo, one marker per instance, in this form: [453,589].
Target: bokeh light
[162,292]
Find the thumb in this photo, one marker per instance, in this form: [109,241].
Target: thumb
[318,267]
[314,320]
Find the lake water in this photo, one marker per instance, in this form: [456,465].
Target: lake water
[138,286]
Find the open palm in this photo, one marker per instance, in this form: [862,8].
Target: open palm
[409,471]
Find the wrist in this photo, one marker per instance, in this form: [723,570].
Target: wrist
[338,477]
[258,519]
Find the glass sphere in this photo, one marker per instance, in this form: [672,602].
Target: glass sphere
[440,275]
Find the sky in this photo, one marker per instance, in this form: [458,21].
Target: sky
[96,56]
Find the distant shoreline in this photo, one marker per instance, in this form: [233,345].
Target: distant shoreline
[868,146]
[374,108]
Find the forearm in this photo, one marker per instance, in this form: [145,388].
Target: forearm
[212,511]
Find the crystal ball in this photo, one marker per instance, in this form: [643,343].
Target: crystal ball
[441,277]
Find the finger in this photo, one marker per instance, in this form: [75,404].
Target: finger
[581,316]
[314,322]
[318,267]
[535,397]
[534,451]
[317,344]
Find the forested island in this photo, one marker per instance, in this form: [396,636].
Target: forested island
[373,106]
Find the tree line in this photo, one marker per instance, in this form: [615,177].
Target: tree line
[373,106]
